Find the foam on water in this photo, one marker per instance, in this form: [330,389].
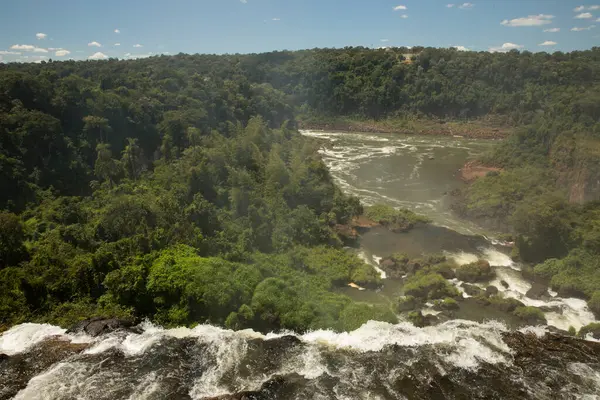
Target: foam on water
[466,342]
[572,312]
[374,262]
[462,258]
[19,338]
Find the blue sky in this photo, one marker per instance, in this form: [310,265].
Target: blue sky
[80,29]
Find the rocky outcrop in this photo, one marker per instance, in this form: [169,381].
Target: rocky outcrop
[17,370]
[475,169]
[537,291]
[99,326]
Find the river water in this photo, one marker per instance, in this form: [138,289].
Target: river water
[481,356]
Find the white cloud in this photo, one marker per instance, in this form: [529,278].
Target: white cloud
[62,53]
[130,56]
[24,47]
[460,48]
[96,44]
[466,5]
[579,9]
[117,31]
[548,43]
[553,30]
[578,29]
[276,19]
[117,44]
[40,36]
[584,16]
[385,40]
[398,8]
[9,53]
[449,5]
[404,16]
[505,47]
[98,56]
[530,20]
[138,45]
[39,50]
[594,8]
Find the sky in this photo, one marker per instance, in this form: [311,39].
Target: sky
[36,30]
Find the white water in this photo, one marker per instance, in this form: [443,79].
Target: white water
[374,262]
[573,312]
[21,337]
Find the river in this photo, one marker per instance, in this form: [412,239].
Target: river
[477,355]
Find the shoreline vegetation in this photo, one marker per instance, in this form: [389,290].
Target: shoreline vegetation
[489,127]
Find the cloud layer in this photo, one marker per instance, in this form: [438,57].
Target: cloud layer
[530,20]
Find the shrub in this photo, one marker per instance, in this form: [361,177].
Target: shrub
[447,304]
[397,220]
[478,271]
[504,304]
[430,286]
[532,315]
[593,328]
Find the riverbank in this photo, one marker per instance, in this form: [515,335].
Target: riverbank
[485,128]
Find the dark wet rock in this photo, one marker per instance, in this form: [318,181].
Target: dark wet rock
[491,291]
[504,284]
[393,269]
[537,291]
[99,326]
[504,304]
[419,320]
[17,370]
[556,309]
[472,290]
[277,387]
[4,357]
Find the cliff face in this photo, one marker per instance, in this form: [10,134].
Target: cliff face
[576,160]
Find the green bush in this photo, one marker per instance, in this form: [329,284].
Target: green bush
[593,328]
[531,315]
[397,220]
[429,286]
[503,304]
[446,304]
[479,271]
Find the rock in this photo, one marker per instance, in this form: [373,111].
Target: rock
[537,291]
[504,284]
[4,357]
[98,326]
[277,387]
[392,269]
[472,290]
[491,291]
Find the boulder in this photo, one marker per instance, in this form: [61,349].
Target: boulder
[472,290]
[98,326]
[491,291]
[504,284]
[4,357]
[537,291]
[392,269]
